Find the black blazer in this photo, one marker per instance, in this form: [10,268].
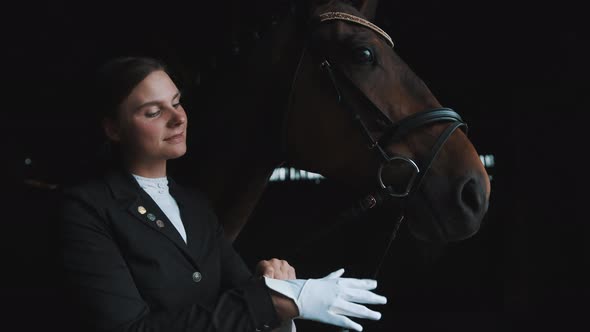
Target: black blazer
[125,272]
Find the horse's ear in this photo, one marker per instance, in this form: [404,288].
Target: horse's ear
[367,8]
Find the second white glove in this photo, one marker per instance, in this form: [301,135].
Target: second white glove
[331,299]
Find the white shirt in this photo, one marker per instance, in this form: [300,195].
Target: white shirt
[157,188]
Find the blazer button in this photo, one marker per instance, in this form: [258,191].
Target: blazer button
[197,276]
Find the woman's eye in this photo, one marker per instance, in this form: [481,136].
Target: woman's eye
[363,55]
[176,105]
[153,114]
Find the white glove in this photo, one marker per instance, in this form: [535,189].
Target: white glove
[330,299]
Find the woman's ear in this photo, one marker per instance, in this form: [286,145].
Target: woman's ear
[111,129]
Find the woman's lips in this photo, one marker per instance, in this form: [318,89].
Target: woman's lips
[176,138]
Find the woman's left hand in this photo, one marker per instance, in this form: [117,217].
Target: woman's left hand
[276,269]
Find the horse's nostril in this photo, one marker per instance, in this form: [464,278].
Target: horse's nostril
[471,197]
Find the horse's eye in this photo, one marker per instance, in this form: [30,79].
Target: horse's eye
[362,55]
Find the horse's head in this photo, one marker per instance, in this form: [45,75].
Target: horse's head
[357,91]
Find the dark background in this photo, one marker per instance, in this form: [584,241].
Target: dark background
[515,71]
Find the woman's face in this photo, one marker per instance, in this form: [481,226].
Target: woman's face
[151,124]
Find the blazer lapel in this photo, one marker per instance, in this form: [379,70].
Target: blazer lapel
[192,220]
[145,210]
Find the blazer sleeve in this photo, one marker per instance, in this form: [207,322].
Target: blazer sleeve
[107,298]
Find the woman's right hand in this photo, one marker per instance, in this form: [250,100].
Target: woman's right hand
[284,306]
[276,269]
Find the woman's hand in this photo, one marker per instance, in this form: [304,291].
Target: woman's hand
[285,307]
[276,269]
[331,300]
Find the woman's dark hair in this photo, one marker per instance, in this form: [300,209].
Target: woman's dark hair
[116,79]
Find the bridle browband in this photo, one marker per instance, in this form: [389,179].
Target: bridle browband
[340,16]
[394,132]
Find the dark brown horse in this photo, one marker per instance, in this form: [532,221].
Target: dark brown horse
[376,126]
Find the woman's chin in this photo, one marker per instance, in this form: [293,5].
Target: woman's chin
[177,152]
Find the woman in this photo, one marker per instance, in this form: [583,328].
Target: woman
[142,253]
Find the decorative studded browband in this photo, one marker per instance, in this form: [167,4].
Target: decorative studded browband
[329,16]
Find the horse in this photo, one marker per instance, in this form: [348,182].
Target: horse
[378,130]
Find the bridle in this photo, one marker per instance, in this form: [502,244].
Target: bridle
[393,133]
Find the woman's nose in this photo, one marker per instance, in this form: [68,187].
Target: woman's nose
[178,117]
